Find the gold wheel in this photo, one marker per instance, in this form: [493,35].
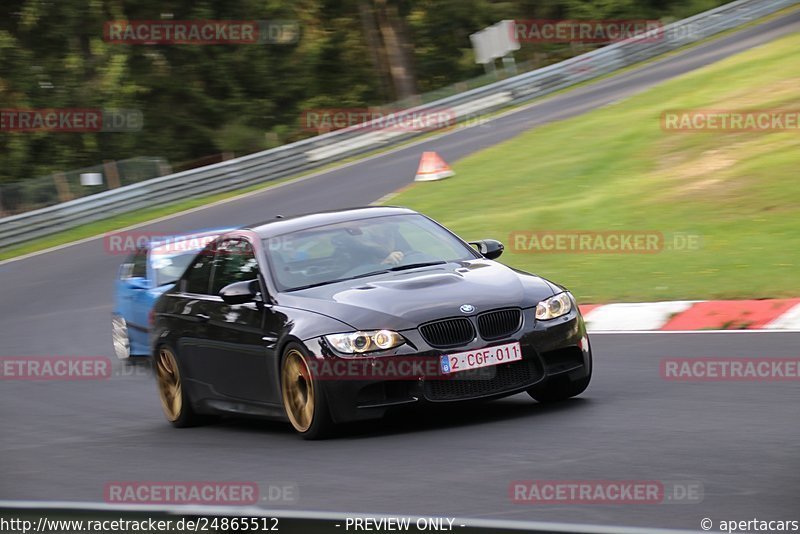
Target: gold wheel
[169,384]
[297,389]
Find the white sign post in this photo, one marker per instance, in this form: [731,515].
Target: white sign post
[497,41]
[91,178]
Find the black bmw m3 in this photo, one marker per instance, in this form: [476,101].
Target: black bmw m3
[333,317]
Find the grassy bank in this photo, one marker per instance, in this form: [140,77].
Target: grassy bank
[615,169]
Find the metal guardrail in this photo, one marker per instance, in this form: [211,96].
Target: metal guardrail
[313,153]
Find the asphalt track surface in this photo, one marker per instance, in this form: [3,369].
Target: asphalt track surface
[66,440]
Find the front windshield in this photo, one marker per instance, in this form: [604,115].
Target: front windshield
[360,248]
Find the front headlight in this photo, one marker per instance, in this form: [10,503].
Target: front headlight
[360,342]
[555,306]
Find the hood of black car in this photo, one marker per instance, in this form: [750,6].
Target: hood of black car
[403,300]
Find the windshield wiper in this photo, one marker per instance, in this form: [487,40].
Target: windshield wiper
[326,282]
[415,265]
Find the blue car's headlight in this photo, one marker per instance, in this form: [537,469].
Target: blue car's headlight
[555,306]
[360,342]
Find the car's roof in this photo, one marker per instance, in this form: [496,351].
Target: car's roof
[283,225]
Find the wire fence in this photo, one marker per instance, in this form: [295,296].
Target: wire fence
[27,195]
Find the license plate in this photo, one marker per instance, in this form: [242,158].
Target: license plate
[475,359]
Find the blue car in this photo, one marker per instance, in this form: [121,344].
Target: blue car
[145,276]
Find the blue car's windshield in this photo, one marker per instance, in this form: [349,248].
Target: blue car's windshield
[168,267]
[356,249]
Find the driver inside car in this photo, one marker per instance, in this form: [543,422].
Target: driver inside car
[370,246]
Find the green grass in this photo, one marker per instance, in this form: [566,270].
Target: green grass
[616,169]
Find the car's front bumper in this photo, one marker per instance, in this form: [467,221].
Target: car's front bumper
[557,347]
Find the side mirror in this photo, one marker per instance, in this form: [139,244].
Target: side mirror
[240,292]
[490,248]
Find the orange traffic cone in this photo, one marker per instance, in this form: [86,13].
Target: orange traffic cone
[432,167]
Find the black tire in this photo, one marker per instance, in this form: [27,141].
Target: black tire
[302,395]
[559,389]
[175,400]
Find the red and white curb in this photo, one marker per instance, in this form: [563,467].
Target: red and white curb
[685,315]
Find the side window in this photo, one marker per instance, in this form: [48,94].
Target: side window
[235,261]
[135,266]
[197,276]
[139,269]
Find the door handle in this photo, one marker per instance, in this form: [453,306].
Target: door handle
[202,317]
